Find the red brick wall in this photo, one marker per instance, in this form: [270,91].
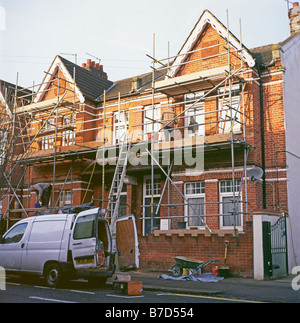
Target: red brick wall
[158,252]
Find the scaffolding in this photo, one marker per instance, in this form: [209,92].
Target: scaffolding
[45,144]
[34,135]
[216,83]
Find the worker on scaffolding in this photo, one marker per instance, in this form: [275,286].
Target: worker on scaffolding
[43,192]
[169,122]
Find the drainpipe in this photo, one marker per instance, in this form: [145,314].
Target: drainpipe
[262,131]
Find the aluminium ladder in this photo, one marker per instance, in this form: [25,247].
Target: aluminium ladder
[117,183]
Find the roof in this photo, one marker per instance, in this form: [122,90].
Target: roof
[124,87]
[91,85]
[208,18]
[263,54]
[7,95]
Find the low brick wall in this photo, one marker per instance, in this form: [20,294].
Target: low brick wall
[157,250]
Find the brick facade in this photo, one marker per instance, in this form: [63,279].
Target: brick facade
[158,248]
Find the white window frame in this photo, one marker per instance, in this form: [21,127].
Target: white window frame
[148,193]
[48,140]
[120,126]
[194,193]
[197,111]
[148,122]
[225,122]
[66,198]
[68,136]
[229,194]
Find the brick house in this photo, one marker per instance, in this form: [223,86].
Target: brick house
[234,114]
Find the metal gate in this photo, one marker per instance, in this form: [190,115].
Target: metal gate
[275,248]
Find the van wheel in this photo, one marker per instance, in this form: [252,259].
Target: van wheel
[53,275]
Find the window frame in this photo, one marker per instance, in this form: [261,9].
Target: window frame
[145,196]
[229,194]
[117,126]
[195,195]
[147,123]
[235,99]
[199,107]
[68,136]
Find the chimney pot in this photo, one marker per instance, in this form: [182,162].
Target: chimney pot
[93,64]
[84,65]
[97,66]
[294,15]
[88,62]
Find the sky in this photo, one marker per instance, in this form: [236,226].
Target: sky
[120,32]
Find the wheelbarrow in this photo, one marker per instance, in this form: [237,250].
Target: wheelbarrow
[183,262]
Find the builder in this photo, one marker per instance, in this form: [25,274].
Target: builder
[43,192]
[169,121]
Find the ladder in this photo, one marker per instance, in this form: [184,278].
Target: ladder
[117,183]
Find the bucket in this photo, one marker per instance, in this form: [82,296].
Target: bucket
[37,205]
[215,271]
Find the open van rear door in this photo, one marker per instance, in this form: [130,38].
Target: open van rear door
[127,242]
[83,242]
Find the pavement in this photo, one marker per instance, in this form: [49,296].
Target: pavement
[244,289]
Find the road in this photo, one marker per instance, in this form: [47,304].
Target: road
[35,291]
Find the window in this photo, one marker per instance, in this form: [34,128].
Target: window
[121,120]
[152,222]
[148,117]
[195,117]
[195,210]
[224,110]
[84,228]
[66,198]
[148,186]
[227,204]
[68,136]
[48,141]
[15,235]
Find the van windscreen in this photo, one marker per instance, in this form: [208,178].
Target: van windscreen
[85,227]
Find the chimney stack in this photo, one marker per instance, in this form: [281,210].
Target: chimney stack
[136,83]
[94,68]
[294,15]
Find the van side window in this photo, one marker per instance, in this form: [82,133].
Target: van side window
[15,235]
[85,227]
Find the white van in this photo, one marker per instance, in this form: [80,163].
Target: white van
[61,245]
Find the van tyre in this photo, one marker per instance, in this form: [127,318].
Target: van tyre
[53,275]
